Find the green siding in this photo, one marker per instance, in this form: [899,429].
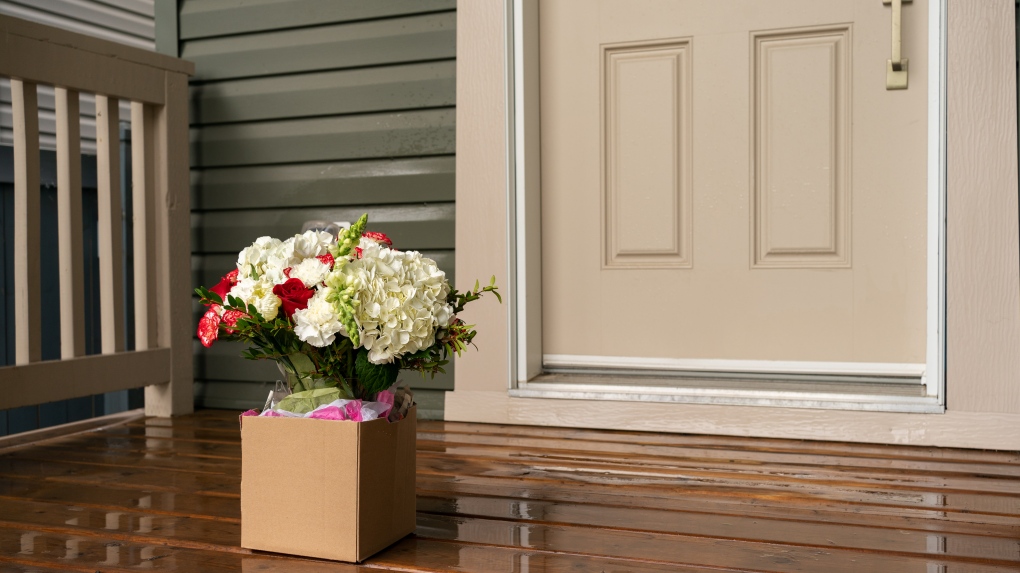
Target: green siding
[316,110]
[204,18]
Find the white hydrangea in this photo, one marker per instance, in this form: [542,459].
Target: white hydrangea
[258,293]
[311,272]
[402,301]
[318,324]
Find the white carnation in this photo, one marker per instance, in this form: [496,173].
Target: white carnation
[311,272]
[311,244]
[251,261]
[402,301]
[258,293]
[318,324]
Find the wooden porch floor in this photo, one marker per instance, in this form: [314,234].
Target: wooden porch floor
[162,494]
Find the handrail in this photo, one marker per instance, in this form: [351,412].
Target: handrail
[157,87]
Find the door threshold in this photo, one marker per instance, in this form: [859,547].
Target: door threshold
[841,393]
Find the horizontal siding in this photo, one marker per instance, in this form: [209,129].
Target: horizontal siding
[423,85]
[421,180]
[316,110]
[204,18]
[360,44]
[128,22]
[411,227]
[404,134]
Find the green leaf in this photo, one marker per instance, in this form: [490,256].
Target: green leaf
[374,378]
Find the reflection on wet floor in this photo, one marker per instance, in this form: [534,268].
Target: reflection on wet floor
[164,495]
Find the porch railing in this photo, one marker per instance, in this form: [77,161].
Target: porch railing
[157,87]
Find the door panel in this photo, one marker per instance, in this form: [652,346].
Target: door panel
[730,179]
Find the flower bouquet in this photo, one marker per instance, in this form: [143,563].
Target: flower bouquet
[341,315]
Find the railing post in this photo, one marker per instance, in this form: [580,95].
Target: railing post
[27,298]
[69,225]
[173,250]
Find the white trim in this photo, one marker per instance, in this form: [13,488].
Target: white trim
[526,238]
[872,369]
[936,255]
[726,396]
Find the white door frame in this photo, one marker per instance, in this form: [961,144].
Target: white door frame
[524,245]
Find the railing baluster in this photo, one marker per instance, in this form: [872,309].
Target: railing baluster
[69,225]
[143,196]
[111,273]
[27,315]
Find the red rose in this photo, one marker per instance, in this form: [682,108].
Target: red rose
[293,295]
[225,284]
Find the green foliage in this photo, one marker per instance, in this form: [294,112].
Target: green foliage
[374,378]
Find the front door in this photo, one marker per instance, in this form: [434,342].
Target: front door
[731,182]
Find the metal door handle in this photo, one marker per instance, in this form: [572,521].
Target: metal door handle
[896,66]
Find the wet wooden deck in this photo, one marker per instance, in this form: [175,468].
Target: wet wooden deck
[163,495]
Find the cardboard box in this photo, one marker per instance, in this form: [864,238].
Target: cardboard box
[326,488]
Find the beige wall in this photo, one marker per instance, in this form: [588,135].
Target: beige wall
[983,260]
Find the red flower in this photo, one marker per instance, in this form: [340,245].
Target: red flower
[209,326]
[225,284]
[230,319]
[327,260]
[293,295]
[378,237]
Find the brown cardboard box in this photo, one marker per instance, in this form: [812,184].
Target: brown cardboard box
[326,488]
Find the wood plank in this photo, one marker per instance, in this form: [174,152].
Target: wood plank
[143,196]
[109,555]
[111,271]
[881,479]
[27,297]
[83,376]
[331,47]
[65,432]
[133,526]
[762,507]
[361,90]
[384,135]
[829,458]
[110,50]
[683,550]
[875,536]
[214,508]
[362,182]
[137,479]
[845,449]
[199,19]
[69,224]
[74,69]
[412,227]
[663,485]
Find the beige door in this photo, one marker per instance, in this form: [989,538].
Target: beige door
[731,180]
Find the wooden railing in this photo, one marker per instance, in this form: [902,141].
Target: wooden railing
[157,87]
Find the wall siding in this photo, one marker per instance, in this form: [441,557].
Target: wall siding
[315,110]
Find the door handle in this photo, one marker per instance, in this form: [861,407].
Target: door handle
[896,66]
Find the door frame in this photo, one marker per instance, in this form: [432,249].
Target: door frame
[524,250]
